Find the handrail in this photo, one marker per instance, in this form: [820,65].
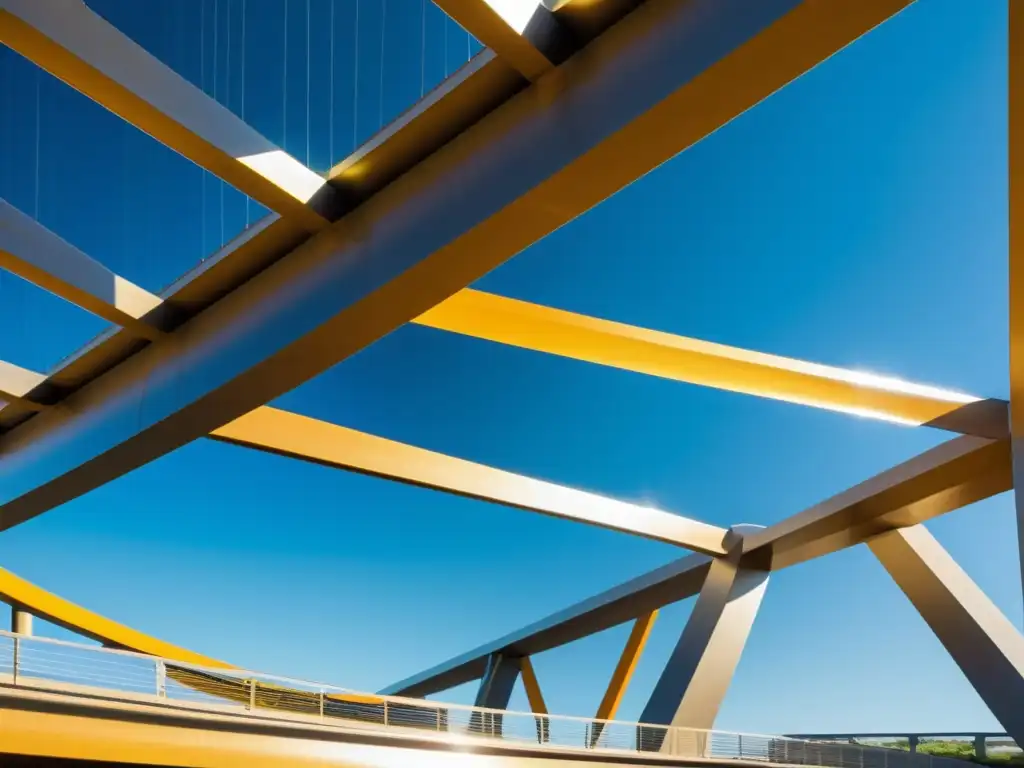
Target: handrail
[36,662]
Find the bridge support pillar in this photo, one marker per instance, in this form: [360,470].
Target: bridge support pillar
[984,644]
[912,741]
[980,748]
[698,673]
[21,620]
[494,693]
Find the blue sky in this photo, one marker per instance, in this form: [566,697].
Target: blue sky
[857,218]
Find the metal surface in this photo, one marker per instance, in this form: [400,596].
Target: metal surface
[521,33]
[1015,223]
[94,698]
[31,251]
[16,383]
[79,47]
[289,434]
[603,342]
[549,154]
[986,646]
[697,675]
[21,620]
[625,667]
[952,475]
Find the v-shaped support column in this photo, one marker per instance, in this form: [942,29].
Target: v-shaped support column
[698,673]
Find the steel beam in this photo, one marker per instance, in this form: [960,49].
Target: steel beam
[16,385]
[625,667]
[984,643]
[655,83]
[26,596]
[603,342]
[72,43]
[289,434]
[536,699]
[521,32]
[951,475]
[672,582]
[696,677]
[31,251]
[494,692]
[1015,169]
[622,674]
[945,478]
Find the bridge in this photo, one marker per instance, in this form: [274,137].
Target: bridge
[565,104]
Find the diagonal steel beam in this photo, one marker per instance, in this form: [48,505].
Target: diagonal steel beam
[523,33]
[952,475]
[31,251]
[658,81]
[16,385]
[72,43]
[603,342]
[290,434]
[986,646]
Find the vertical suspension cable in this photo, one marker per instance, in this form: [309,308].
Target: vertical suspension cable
[308,55]
[383,30]
[445,57]
[355,85]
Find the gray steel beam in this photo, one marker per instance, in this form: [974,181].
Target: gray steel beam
[947,477]
[672,582]
[951,475]
[523,33]
[658,81]
[697,675]
[495,691]
[984,643]
[17,385]
[81,48]
[34,253]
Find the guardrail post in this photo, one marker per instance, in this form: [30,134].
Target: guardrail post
[438,719]
[161,678]
[252,694]
[673,741]
[385,711]
[322,696]
[14,661]
[740,740]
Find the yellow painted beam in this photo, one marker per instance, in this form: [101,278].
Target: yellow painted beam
[78,46]
[557,332]
[502,26]
[533,693]
[623,673]
[290,434]
[50,607]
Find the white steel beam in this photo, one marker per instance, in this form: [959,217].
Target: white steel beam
[31,251]
[72,43]
[658,81]
[522,33]
[16,383]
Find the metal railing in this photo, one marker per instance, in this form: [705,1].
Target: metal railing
[39,663]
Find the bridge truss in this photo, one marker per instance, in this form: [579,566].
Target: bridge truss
[568,103]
